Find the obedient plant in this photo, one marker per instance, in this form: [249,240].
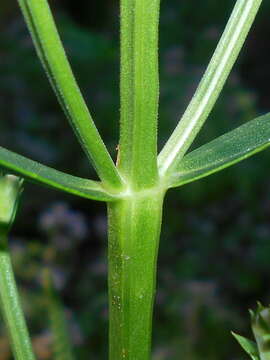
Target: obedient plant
[135,185]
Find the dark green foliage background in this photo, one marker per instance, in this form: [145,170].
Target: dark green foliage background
[215,246]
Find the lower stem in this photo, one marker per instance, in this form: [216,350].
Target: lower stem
[134,231]
[11,307]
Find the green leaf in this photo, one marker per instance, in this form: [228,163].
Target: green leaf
[39,173]
[52,55]
[210,86]
[62,347]
[249,346]
[139,87]
[224,151]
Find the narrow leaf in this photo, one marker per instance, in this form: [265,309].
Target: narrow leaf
[52,55]
[224,151]
[249,346]
[139,88]
[62,347]
[39,173]
[211,84]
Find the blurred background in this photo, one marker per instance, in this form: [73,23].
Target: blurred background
[215,245]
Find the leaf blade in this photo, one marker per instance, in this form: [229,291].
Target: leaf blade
[224,151]
[249,346]
[210,86]
[36,172]
[50,50]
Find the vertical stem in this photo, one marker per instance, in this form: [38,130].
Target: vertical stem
[134,230]
[11,307]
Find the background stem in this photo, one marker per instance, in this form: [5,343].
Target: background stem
[11,307]
[134,230]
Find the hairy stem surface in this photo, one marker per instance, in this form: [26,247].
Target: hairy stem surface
[11,308]
[134,230]
[139,88]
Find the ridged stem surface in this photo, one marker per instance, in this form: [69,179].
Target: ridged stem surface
[134,230]
[139,87]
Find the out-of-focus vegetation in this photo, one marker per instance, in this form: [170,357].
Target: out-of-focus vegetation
[215,246]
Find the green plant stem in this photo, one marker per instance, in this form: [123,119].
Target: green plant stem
[11,307]
[211,84]
[134,230]
[139,87]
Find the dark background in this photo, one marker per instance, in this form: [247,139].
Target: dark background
[214,253]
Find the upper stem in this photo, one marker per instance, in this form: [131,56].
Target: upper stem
[11,307]
[211,84]
[139,87]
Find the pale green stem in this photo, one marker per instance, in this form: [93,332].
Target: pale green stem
[134,230]
[211,85]
[11,307]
